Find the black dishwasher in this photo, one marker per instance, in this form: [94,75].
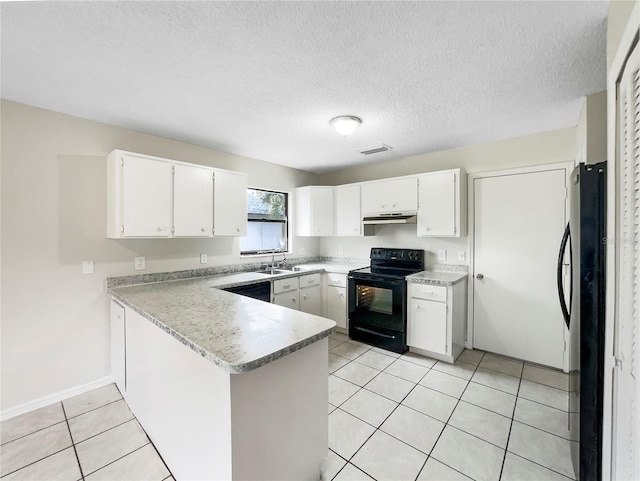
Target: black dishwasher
[260,291]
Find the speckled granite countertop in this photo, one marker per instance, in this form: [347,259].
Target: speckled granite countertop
[438,278]
[246,278]
[237,333]
[330,267]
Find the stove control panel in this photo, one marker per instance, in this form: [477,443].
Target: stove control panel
[402,255]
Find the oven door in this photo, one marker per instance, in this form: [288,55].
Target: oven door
[377,302]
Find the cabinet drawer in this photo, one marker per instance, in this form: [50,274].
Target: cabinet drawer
[309,280]
[284,285]
[428,291]
[335,279]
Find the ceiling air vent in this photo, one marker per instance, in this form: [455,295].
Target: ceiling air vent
[375,150]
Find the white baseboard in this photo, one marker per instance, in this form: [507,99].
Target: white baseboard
[432,355]
[56,397]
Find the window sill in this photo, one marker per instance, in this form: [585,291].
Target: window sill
[250,256]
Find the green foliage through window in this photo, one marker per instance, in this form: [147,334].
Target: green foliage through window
[267,227]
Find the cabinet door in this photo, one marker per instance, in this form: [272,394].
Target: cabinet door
[311,300]
[230,204]
[118,333]
[427,326]
[438,204]
[322,211]
[314,211]
[337,305]
[395,195]
[347,211]
[192,201]
[146,197]
[287,299]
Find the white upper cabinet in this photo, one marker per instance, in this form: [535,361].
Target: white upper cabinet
[192,201]
[139,196]
[154,197]
[347,211]
[442,211]
[314,211]
[230,203]
[392,195]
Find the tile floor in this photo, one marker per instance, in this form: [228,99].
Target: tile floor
[93,436]
[391,417]
[412,418]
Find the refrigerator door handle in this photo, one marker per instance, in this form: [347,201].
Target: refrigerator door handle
[563,247]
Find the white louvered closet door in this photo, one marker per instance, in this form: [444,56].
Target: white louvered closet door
[626,387]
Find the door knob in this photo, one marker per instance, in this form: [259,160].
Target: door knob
[479,276]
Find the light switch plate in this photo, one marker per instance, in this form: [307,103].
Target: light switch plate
[203,258]
[461,255]
[442,255]
[88,267]
[139,263]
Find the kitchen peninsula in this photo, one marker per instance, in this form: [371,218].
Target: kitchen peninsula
[227,387]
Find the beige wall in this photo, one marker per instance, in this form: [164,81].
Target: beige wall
[55,319]
[619,14]
[544,148]
[592,129]
[596,127]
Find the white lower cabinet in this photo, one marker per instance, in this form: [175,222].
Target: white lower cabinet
[285,293]
[224,417]
[336,301]
[428,326]
[118,327]
[436,319]
[310,294]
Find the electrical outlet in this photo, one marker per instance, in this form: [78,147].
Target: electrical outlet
[139,263]
[203,258]
[442,255]
[88,267]
[340,251]
[461,255]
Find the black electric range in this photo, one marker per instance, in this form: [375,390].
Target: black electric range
[378,297]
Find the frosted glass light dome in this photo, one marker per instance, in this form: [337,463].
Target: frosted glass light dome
[345,124]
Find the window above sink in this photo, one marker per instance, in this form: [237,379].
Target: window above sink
[267,226]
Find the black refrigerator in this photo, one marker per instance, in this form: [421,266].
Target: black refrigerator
[585,239]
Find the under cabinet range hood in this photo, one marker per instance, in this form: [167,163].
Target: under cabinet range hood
[390,218]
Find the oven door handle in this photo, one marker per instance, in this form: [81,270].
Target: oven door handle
[369,331]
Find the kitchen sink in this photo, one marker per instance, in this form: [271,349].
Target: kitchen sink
[275,272]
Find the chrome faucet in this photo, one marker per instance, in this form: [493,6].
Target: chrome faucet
[273,264]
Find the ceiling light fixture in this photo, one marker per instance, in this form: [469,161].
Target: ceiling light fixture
[345,124]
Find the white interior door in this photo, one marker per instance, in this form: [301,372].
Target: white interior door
[519,220]
[626,388]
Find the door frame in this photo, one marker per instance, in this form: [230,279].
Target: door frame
[568,168]
[609,433]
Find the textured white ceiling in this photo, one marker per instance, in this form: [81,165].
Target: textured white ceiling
[263,79]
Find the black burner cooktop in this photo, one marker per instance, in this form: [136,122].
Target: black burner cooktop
[393,263]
